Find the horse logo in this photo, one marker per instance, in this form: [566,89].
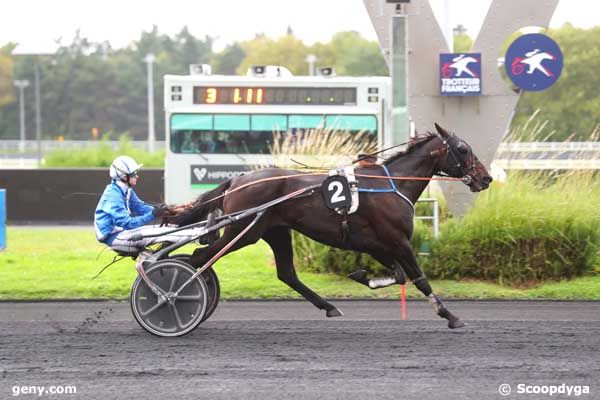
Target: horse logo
[460,74]
[533,62]
[460,65]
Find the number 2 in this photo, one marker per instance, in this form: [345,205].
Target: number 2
[338,188]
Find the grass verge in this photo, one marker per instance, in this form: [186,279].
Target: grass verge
[58,263]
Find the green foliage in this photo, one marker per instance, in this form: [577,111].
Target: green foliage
[348,52]
[228,61]
[353,55]
[530,229]
[103,155]
[462,43]
[88,85]
[288,51]
[6,77]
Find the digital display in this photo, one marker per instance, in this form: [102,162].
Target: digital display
[274,95]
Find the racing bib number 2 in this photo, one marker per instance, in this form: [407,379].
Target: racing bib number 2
[336,192]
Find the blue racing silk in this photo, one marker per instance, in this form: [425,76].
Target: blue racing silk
[118,210]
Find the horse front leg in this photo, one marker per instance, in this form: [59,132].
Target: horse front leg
[406,256]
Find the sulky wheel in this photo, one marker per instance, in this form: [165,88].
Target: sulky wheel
[172,314]
[212,284]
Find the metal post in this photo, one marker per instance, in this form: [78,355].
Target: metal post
[22,84]
[38,114]
[149,59]
[311,59]
[436,219]
[399,78]
[2,219]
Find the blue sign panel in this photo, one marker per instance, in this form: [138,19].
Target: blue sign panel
[2,219]
[460,74]
[533,62]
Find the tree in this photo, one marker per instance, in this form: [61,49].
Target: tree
[6,75]
[462,41]
[88,85]
[288,51]
[7,91]
[351,55]
[348,52]
[228,61]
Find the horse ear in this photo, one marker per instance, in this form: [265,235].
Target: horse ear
[441,130]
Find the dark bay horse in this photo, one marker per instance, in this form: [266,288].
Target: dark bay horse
[381,227]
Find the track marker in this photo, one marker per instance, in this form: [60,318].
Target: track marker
[403,301]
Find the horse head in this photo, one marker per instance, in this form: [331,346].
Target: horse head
[456,159]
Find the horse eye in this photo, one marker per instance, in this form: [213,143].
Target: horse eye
[462,148]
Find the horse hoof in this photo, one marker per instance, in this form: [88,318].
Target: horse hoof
[456,323]
[334,312]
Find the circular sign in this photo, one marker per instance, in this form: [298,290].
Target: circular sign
[533,62]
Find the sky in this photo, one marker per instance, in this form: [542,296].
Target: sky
[35,24]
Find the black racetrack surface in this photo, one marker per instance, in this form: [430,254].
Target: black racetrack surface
[289,350]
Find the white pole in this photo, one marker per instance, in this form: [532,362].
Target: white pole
[399,72]
[21,85]
[38,113]
[448,26]
[149,59]
[311,59]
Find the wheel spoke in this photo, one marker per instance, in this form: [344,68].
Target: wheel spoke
[153,308]
[176,314]
[189,297]
[175,275]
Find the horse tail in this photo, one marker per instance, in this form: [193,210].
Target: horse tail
[202,206]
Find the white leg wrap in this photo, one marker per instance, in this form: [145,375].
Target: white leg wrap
[433,300]
[377,283]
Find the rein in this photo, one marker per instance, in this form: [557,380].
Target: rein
[275,178]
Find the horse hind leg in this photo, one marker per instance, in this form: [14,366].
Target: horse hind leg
[398,276]
[405,255]
[280,241]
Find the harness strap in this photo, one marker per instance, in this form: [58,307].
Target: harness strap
[345,229]
[392,189]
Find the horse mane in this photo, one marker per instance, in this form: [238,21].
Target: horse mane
[413,144]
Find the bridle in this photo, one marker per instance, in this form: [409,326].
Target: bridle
[452,145]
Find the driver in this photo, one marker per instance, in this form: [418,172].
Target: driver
[120,215]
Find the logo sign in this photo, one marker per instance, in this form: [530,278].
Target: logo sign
[460,74]
[207,176]
[336,192]
[533,62]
